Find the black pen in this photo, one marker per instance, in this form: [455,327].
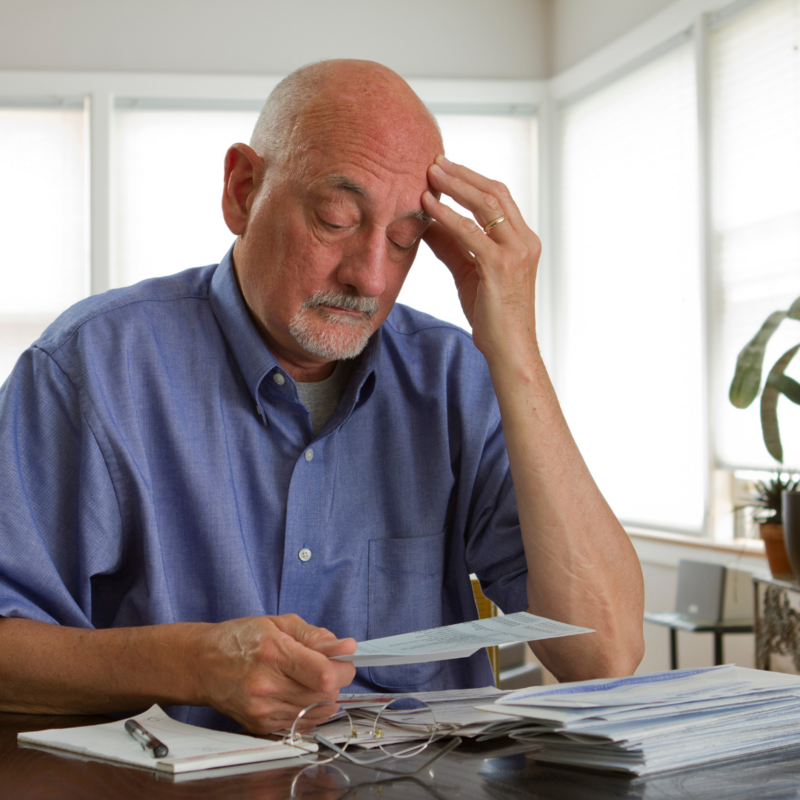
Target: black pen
[146,739]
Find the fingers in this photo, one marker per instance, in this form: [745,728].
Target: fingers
[450,252]
[465,230]
[485,198]
[314,673]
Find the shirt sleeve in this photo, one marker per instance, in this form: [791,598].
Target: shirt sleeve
[60,523]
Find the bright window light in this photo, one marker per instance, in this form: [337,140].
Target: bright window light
[629,365]
[168,176]
[43,221]
[755,80]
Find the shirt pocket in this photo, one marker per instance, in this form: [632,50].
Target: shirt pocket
[406,578]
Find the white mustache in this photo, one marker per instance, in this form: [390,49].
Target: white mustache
[345,300]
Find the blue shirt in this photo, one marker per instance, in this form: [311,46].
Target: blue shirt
[158,466]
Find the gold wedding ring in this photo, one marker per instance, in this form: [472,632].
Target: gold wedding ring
[494,222]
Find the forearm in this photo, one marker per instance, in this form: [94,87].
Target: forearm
[52,669]
[582,568]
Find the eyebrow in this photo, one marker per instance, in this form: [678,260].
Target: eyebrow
[346,184]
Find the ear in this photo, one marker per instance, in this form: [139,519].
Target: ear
[243,170]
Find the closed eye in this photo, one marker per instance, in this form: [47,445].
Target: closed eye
[402,248]
[332,225]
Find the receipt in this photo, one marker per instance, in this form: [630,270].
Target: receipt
[457,641]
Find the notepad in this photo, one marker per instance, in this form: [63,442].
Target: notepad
[190,747]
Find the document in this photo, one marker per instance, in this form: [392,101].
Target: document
[457,641]
[657,722]
[190,747]
[411,716]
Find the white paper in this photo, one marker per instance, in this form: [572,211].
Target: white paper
[673,686]
[662,721]
[190,747]
[457,641]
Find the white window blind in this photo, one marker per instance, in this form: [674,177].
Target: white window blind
[168,176]
[755,93]
[628,360]
[43,220]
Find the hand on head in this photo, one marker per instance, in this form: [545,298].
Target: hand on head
[493,262]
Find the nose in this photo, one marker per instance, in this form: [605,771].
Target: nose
[364,262]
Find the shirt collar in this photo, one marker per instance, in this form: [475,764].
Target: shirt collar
[256,360]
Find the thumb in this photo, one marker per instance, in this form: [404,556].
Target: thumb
[336,647]
[450,252]
[320,640]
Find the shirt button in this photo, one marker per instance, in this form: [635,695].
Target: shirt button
[309,454]
[279,379]
[304,554]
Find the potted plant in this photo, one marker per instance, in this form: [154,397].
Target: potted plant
[745,387]
[768,515]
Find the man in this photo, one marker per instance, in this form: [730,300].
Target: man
[201,538]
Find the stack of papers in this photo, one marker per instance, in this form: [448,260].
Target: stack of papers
[453,713]
[657,722]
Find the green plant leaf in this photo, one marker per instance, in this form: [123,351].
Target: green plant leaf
[747,378]
[794,310]
[788,387]
[769,404]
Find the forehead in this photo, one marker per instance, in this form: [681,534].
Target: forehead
[372,157]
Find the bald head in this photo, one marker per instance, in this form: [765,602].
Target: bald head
[336,94]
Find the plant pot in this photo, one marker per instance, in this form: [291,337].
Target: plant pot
[777,556]
[790,507]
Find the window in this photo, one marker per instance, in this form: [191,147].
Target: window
[755,79]
[629,365]
[43,219]
[168,182]
[168,171]
[156,163]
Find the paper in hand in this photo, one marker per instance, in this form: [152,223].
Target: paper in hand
[457,641]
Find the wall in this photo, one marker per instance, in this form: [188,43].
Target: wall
[417,38]
[581,27]
[528,39]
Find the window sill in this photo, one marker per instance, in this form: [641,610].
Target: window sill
[666,549]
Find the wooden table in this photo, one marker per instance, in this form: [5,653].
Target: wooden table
[473,771]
